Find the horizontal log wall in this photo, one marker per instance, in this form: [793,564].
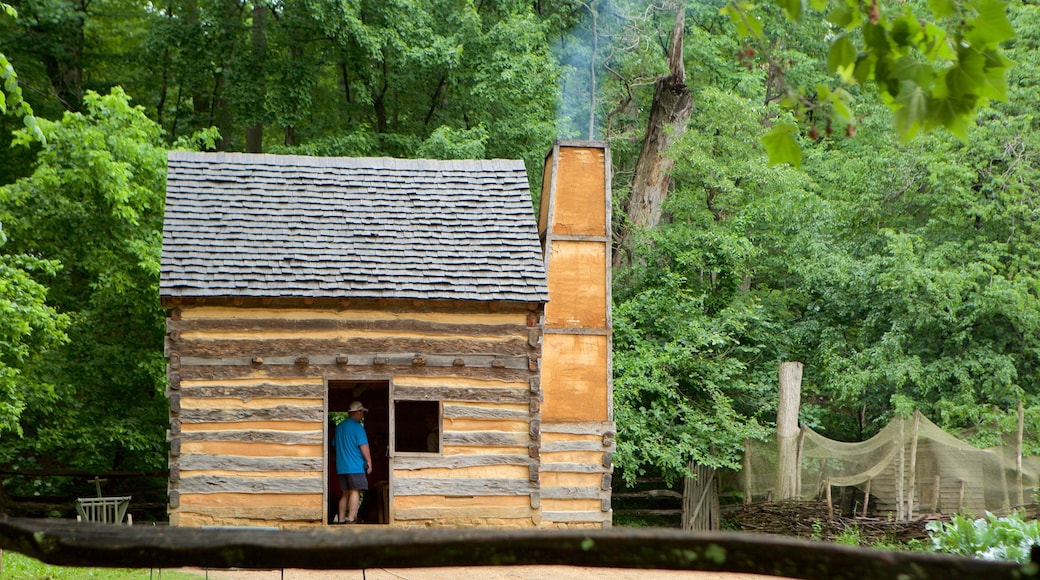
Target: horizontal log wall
[575,473]
[486,473]
[247,392]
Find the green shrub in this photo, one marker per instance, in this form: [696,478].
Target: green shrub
[990,538]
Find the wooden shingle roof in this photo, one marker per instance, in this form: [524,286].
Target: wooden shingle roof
[332,227]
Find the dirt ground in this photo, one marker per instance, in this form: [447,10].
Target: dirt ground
[470,573]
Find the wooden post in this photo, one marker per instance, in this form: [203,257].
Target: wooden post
[960,499]
[866,496]
[935,504]
[913,467]
[747,471]
[787,430]
[798,471]
[830,506]
[1018,455]
[1003,475]
[900,471]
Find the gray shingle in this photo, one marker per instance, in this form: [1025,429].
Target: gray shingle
[269,225]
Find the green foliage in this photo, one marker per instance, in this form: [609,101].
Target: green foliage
[990,538]
[933,66]
[93,204]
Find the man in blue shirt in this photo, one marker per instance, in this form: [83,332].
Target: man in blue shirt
[353,461]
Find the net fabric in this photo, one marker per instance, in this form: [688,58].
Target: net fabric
[910,467]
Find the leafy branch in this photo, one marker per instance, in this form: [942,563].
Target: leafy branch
[931,72]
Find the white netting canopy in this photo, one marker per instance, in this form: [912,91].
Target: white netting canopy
[910,467]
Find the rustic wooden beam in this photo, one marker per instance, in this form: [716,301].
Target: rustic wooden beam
[409,326]
[67,543]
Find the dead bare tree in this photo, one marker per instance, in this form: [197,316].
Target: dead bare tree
[669,114]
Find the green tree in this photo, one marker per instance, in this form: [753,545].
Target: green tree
[28,326]
[93,204]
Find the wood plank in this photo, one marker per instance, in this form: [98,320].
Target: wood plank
[461,381]
[571,492]
[592,457]
[195,462]
[568,479]
[247,426]
[250,449]
[278,437]
[452,412]
[472,472]
[562,505]
[257,485]
[574,467]
[488,394]
[279,501]
[279,413]
[462,513]
[458,461]
[462,487]
[484,438]
[257,383]
[461,451]
[275,515]
[389,358]
[427,311]
[575,446]
[578,427]
[295,326]
[258,473]
[435,501]
[203,346]
[465,424]
[65,543]
[348,372]
[253,403]
[593,516]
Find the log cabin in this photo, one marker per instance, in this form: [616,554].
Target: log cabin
[478,337]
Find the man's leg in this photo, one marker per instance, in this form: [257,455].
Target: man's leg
[355,500]
[343,506]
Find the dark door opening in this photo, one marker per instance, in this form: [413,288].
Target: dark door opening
[374,395]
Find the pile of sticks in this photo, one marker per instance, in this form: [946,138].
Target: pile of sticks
[812,520]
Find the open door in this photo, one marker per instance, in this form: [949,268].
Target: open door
[374,395]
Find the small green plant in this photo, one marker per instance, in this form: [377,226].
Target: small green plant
[990,538]
[817,530]
[850,536]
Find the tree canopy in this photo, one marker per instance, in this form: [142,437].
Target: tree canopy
[897,264]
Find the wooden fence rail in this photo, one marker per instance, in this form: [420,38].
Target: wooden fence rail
[61,542]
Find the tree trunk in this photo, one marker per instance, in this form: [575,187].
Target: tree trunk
[255,134]
[669,113]
[787,430]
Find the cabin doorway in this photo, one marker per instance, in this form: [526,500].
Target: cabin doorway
[374,395]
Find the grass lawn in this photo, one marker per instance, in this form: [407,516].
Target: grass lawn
[15,566]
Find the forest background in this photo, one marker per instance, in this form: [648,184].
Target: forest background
[900,268]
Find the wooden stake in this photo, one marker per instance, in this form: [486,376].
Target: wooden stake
[901,475]
[935,504]
[1018,455]
[830,506]
[913,467]
[960,499]
[747,471]
[866,496]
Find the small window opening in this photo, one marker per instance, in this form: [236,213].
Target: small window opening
[417,426]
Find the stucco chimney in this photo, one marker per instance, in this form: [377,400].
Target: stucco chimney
[574,225]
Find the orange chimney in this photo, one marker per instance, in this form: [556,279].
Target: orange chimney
[574,225]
